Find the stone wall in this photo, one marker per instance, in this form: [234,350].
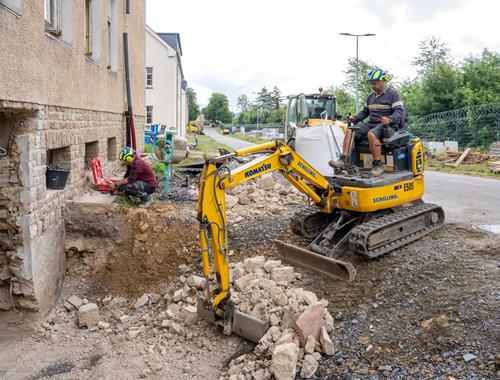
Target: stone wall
[31,222]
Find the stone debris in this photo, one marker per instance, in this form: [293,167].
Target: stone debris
[88,315]
[309,366]
[284,361]
[196,282]
[190,315]
[141,301]
[299,322]
[75,301]
[326,342]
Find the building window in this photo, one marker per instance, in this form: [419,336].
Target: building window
[58,15]
[13,5]
[88,27]
[112,35]
[149,114]
[149,76]
[53,17]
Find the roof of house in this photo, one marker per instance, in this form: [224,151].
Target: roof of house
[173,39]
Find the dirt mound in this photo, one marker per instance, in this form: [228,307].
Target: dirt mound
[147,251]
[159,240]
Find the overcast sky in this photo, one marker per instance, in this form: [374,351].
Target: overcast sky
[237,47]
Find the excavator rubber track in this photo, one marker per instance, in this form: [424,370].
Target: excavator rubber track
[389,232]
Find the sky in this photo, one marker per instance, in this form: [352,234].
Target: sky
[238,47]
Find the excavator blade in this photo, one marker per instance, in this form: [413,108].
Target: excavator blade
[310,260]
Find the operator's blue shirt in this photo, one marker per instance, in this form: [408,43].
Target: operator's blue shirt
[388,103]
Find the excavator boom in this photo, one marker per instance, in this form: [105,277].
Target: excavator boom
[214,180]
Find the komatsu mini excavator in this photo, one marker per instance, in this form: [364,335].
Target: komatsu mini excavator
[367,215]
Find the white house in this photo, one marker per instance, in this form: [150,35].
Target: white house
[166,101]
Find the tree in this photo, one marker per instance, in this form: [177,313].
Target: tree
[218,108]
[193,107]
[432,52]
[481,79]
[243,103]
[346,103]
[441,90]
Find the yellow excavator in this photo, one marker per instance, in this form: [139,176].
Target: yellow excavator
[367,215]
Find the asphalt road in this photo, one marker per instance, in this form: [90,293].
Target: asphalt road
[226,140]
[465,199]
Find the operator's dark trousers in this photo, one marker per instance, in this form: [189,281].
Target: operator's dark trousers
[140,189]
[381,131]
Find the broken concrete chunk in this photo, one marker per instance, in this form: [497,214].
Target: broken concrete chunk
[231,201]
[177,295]
[271,264]
[88,315]
[309,297]
[254,262]
[124,318]
[190,315]
[309,366]
[266,182]
[310,322]
[141,301]
[174,308]
[75,301]
[284,361]
[310,344]
[326,343]
[166,323]
[241,283]
[103,325]
[175,328]
[197,282]
[328,321]
[285,274]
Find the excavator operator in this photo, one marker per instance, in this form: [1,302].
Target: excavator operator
[385,110]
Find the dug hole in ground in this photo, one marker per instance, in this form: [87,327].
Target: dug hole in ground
[128,306]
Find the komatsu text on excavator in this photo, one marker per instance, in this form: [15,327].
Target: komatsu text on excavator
[356,212]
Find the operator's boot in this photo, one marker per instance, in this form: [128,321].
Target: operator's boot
[341,163]
[378,168]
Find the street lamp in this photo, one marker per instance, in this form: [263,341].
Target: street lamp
[357,62]
[257,109]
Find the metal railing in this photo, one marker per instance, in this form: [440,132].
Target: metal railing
[476,126]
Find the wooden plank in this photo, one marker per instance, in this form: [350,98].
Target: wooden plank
[462,157]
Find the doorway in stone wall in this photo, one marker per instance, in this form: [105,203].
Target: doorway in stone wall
[12,123]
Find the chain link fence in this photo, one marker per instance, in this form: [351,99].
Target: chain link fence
[477,126]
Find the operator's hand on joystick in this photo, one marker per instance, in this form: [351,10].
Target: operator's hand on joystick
[385,120]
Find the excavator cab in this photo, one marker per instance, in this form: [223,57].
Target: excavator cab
[308,110]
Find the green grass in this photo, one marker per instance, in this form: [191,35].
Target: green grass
[480,170]
[124,201]
[207,144]
[251,138]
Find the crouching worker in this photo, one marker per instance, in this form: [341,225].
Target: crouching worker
[139,180]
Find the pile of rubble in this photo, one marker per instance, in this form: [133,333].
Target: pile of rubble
[297,336]
[300,323]
[266,196]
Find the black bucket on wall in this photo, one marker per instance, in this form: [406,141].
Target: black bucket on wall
[55,179]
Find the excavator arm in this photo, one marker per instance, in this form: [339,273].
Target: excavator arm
[215,179]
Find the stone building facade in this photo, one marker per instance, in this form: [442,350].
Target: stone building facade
[62,103]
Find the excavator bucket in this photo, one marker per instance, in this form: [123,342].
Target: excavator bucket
[318,263]
[249,327]
[236,322]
